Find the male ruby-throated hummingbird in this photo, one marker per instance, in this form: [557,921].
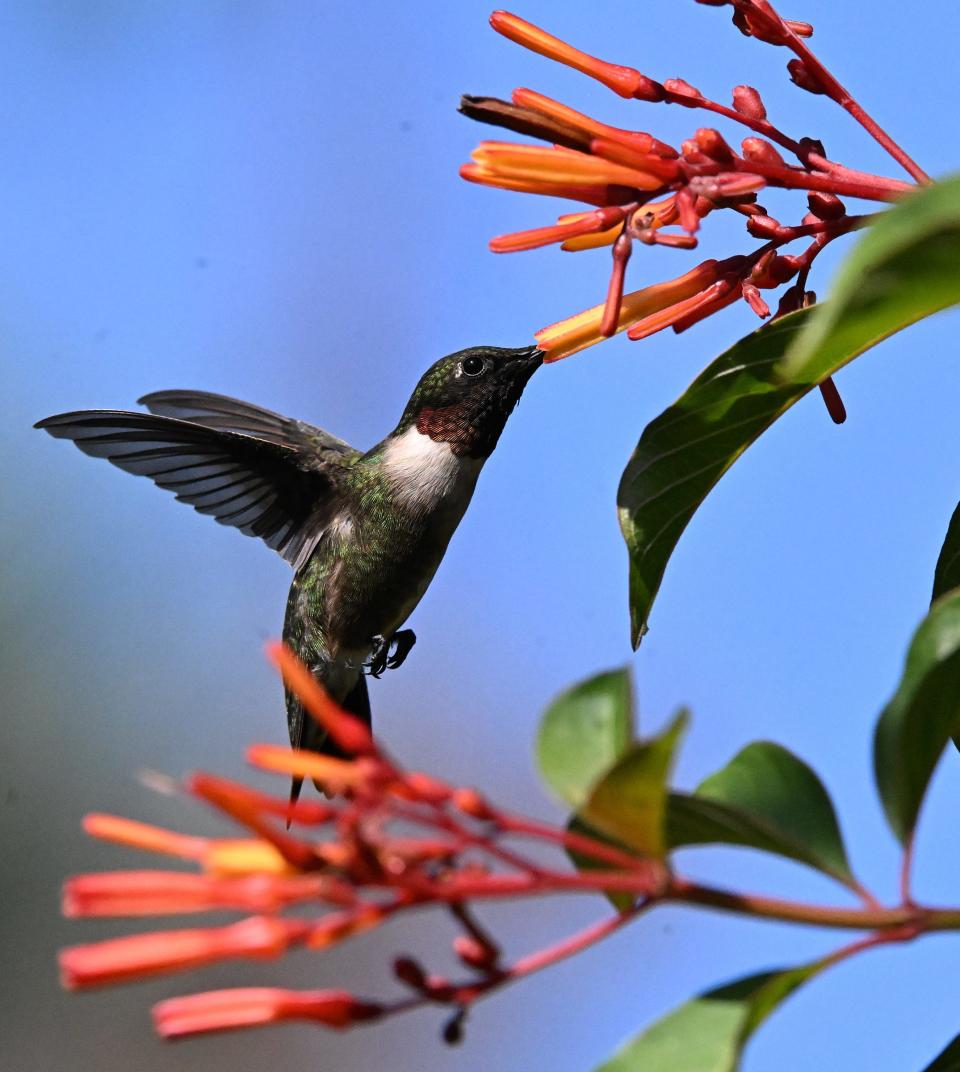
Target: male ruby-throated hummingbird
[363,532]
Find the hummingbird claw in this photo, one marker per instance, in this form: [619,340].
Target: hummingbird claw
[389,653]
[379,652]
[401,643]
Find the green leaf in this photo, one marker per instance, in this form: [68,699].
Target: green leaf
[583,732]
[947,574]
[947,1060]
[764,798]
[709,1033]
[923,715]
[684,451]
[903,269]
[620,901]
[629,802]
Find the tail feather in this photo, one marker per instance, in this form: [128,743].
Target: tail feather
[308,734]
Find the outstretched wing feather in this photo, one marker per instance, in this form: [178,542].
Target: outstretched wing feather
[231,415]
[261,487]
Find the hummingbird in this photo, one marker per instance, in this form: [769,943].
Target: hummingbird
[364,532]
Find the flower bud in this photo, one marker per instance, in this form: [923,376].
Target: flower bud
[474,953]
[826,206]
[471,803]
[681,92]
[453,1028]
[712,143]
[409,971]
[747,101]
[760,151]
[802,76]
[763,227]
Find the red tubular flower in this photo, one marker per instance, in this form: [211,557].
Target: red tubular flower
[221,1010]
[623,170]
[626,81]
[141,955]
[160,893]
[578,332]
[224,856]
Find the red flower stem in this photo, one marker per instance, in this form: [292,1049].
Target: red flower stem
[582,843]
[870,187]
[760,126]
[441,820]
[925,919]
[838,93]
[472,926]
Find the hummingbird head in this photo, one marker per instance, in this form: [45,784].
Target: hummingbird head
[464,399]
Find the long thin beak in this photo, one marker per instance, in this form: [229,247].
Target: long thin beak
[527,357]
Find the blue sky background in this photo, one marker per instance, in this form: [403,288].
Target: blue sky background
[261,199]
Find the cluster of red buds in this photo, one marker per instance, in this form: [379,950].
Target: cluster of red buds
[388,841]
[641,187]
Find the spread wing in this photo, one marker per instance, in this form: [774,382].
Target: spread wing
[272,487]
[232,415]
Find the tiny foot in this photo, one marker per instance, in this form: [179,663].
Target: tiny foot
[400,643]
[379,652]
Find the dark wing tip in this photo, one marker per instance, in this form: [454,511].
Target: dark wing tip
[61,421]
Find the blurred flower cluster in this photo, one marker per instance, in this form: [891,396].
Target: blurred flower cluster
[386,842]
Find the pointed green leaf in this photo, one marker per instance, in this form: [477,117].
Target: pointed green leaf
[686,449]
[629,802]
[947,574]
[709,1033]
[923,715]
[947,1060]
[903,269]
[764,798]
[620,901]
[583,732]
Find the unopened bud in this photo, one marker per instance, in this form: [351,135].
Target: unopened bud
[802,76]
[453,1028]
[471,803]
[784,267]
[712,143]
[763,226]
[408,971]
[813,145]
[754,299]
[760,151]
[826,206]
[681,92]
[474,953]
[747,101]
[426,788]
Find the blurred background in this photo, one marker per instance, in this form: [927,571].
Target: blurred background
[262,200]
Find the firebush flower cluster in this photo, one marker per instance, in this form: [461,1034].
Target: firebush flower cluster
[343,856]
[387,841]
[643,190]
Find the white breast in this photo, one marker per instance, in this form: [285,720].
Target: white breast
[423,471]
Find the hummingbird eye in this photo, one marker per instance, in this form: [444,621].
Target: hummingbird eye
[473,366]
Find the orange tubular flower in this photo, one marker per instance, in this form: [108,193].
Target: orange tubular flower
[552,166]
[141,955]
[223,856]
[161,893]
[576,333]
[603,221]
[626,81]
[591,128]
[220,1010]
